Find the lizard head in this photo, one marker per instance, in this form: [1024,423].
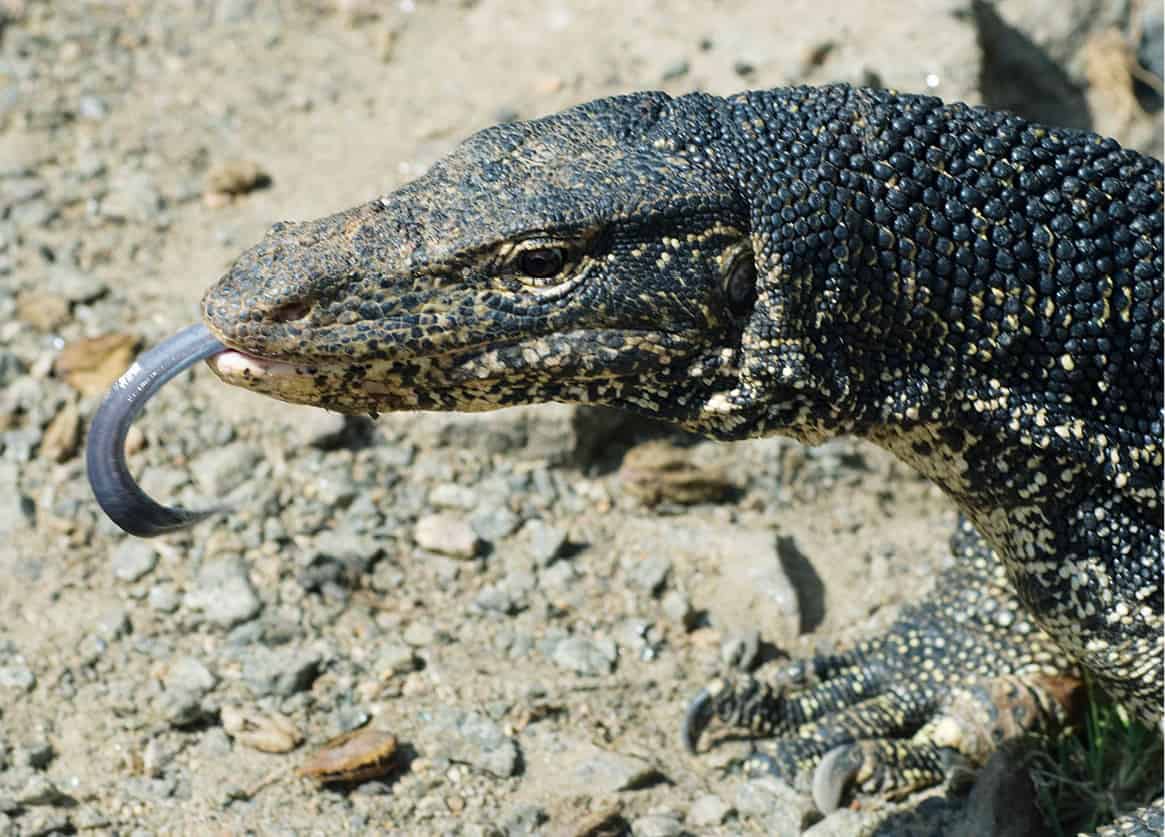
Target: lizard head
[592,256]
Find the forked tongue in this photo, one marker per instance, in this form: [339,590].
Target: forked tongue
[117,493]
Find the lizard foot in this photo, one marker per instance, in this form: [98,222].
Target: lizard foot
[953,677]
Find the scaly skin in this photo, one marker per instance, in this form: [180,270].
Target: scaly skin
[979,295]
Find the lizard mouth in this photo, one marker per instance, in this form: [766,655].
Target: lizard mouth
[234,365]
[574,366]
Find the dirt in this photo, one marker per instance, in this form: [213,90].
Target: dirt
[531,648]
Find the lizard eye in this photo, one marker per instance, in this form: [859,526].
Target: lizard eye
[542,262]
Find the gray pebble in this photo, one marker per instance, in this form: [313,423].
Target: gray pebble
[470,738]
[677,607]
[394,658]
[38,790]
[542,541]
[188,674]
[650,574]
[132,559]
[163,598]
[16,510]
[112,624]
[75,285]
[224,593]
[845,822]
[709,810]
[558,576]
[524,820]
[495,523]
[419,634]
[185,685]
[282,672]
[495,598]
[11,367]
[657,825]
[585,656]
[133,197]
[607,772]
[453,496]
[639,638]
[446,533]
[93,108]
[785,811]
[740,650]
[218,471]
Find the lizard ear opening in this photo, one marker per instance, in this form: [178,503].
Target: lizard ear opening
[740,280]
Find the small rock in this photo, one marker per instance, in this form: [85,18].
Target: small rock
[469,738]
[740,650]
[678,608]
[750,588]
[585,656]
[91,365]
[11,367]
[493,524]
[163,598]
[38,790]
[219,471]
[542,542]
[657,825]
[524,820]
[845,822]
[453,496]
[93,108]
[224,593]
[17,676]
[495,598]
[607,772]
[283,672]
[650,574]
[133,559]
[707,811]
[185,685]
[558,576]
[76,286]
[63,434]
[134,198]
[446,533]
[188,674]
[394,658]
[43,311]
[419,634]
[236,177]
[16,510]
[785,811]
[112,624]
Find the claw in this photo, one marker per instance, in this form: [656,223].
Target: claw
[700,712]
[834,775]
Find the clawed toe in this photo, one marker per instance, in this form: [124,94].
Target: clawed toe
[834,775]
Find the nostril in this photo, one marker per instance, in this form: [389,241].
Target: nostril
[289,312]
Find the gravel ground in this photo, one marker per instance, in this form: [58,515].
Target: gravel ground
[525,601]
